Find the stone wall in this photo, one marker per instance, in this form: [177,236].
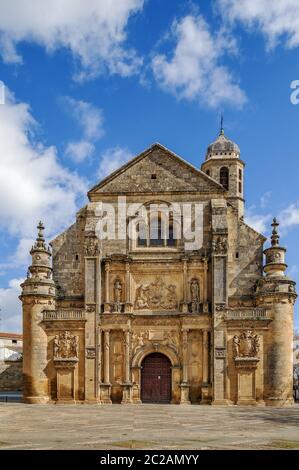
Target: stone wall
[11,376]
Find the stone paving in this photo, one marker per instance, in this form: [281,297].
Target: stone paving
[147,427]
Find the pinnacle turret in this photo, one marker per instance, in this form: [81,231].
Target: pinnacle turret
[275,255]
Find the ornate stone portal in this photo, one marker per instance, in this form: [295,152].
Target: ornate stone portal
[91,320]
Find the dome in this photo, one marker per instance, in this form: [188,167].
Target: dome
[222,147]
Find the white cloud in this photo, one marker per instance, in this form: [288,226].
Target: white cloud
[79,151]
[112,159]
[94,32]
[265,199]
[10,305]
[277,19]
[259,222]
[195,72]
[33,184]
[289,216]
[91,121]
[89,117]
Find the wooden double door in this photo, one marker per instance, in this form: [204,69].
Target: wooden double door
[156,379]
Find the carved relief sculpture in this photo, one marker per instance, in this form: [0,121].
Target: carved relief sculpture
[91,246]
[220,245]
[65,346]
[246,345]
[171,339]
[156,295]
[139,340]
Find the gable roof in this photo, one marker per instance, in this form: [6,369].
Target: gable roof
[163,154]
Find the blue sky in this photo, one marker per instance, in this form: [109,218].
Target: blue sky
[90,84]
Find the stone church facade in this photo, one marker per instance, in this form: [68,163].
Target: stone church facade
[131,319]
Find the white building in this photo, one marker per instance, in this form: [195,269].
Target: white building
[11,346]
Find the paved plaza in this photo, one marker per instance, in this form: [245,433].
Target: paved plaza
[147,427]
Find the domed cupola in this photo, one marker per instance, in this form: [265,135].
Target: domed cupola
[222,147]
[223,164]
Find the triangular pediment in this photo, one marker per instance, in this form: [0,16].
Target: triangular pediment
[156,170]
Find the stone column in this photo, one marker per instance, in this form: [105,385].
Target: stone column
[205,368]
[127,385]
[184,384]
[128,302]
[106,385]
[92,283]
[100,362]
[184,304]
[219,299]
[107,287]
[205,286]
[107,357]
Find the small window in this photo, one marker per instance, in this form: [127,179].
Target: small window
[14,341]
[240,174]
[208,172]
[237,255]
[154,177]
[224,177]
[240,187]
[77,257]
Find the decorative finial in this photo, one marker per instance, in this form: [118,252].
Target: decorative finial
[41,229]
[221,126]
[40,239]
[275,236]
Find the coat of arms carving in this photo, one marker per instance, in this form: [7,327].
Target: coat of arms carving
[65,346]
[246,345]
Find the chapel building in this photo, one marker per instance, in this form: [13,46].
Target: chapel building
[143,315]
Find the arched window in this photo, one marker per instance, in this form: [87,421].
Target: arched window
[160,231]
[224,177]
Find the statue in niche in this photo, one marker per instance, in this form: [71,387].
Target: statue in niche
[236,346]
[65,346]
[117,295]
[194,292]
[246,345]
[56,346]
